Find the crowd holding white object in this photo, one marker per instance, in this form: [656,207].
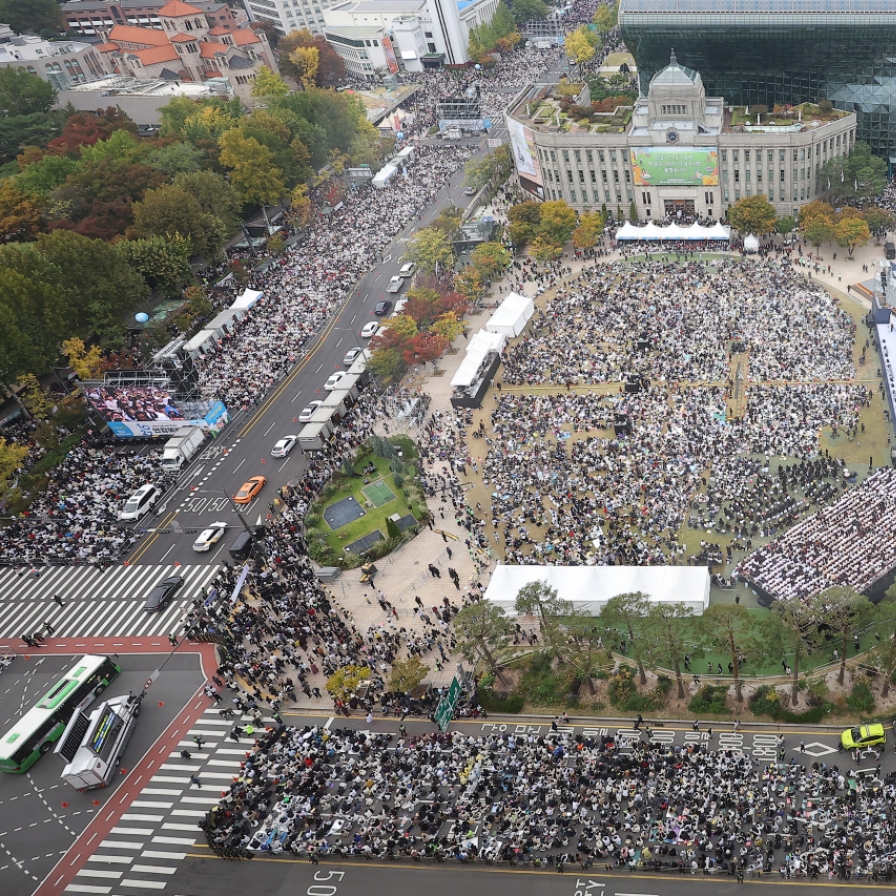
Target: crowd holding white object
[852,542]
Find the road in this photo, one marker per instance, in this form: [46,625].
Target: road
[244,449]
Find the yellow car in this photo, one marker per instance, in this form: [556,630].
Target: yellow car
[863,736]
[249,489]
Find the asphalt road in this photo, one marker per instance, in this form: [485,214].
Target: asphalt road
[40,815]
[244,449]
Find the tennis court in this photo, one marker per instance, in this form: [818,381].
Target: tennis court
[362,544]
[378,493]
[343,512]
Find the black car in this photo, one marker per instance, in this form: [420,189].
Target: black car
[161,595]
[382,308]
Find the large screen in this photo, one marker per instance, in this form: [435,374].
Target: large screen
[669,166]
[522,144]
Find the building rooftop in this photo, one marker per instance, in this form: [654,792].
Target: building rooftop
[134,34]
[29,47]
[121,85]
[756,6]
[750,119]
[674,75]
[177,8]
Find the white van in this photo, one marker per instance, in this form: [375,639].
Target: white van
[407,270]
[140,502]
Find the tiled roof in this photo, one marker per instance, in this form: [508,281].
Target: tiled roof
[154,55]
[243,36]
[134,34]
[209,50]
[181,38]
[176,8]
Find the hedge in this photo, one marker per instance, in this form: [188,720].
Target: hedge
[492,702]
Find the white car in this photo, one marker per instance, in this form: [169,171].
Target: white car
[308,413]
[407,270]
[333,381]
[395,285]
[370,329]
[350,356]
[208,538]
[284,446]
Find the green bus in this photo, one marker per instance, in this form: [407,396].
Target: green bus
[34,734]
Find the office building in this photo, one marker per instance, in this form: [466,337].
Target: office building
[778,52]
[675,153]
[96,18]
[64,63]
[289,15]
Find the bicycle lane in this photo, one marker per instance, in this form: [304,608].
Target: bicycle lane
[135,778]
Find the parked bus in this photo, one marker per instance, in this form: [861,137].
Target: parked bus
[34,734]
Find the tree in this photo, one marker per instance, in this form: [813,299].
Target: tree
[12,456]
[490,258]
[33,16]
[590,228]
[557,221]
[482,628]
[791,629]
[523,218]
[331,68]
[20,220]
[403,325]
[583,644]
[626,612]
[407,674]
[252,174]
[815,208]
[268,83]
[34,398]
[386,363]
[470,283]
[785,225]
[307,63]
[343,683]
[540,600]
[879,221]
[579,46]
[753,214]
[174,159]
[819,229]
[430,250]
[544,249]
[605,18]
[22,93]
[425,347]
[20,133]
[217,198]
[448,327]
[528,10]
[883,632]
[87,363]
[851,233]
[667,637]
[844,612]
[38,180]
[162,261]
[172,210]
[853,179]
[733,630]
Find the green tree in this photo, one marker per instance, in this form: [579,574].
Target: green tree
[557,221]
[121,144]
[529,10]
[386,363]
[172,211]
[879,221]
[502,21]
[605,18]
[733,630]
[268,83]
[851,233]
[540,600]
[252,174]
[483,629]
[628,613]
[791,629]
[667,639]
[490,258]
[883,633]
[430,250]
[819,229]
[39,180]
[753,214]
[175,158]
[447,326]
[853,179]
[162,261]
[33,16]
[846,613]
[218,199]
[345,681]
[407,674]
[785,225]
[22,93]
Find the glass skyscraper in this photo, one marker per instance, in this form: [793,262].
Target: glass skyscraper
[778,51]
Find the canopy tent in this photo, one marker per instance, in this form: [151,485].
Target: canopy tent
[590,587]
[651,231]
[202,339]
[247,299]
[478,349]
[512,315]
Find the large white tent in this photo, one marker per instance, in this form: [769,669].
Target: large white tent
[478,349]
[511,316]
[247,299]
[590,587]
[651,231]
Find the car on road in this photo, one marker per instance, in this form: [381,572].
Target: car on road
[161,595]
[284,446]
[407,270]
[862,736]
[350,356]
[382,308]
[249,489]
[140,502]
[395,285]
[307,413]
[208,538]
[370,329]
[470,191]
[334,379]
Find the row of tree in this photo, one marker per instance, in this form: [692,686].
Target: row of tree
[663,635]
[586,40]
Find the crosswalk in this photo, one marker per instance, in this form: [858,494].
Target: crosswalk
[97,604]
[144,849]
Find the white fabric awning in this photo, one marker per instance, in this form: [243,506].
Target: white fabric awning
[651,231]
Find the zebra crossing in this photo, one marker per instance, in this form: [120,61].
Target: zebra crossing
[97,604]
[143,851]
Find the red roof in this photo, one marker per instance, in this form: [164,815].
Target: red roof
[218,29]
[134,34]
[176,8]
[181,38]
[210,51]
[244,36]
[107,48]
[154,55]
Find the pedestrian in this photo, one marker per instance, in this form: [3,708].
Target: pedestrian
[48,627]
[312,857]
[696,725]
[186,754]
[199,740]
[448,552]
[172,640]
[58,599]
[369,718]
[194,779]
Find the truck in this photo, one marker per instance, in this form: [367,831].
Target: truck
[92,745]
[181,447]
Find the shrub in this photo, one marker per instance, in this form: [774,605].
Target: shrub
[492,702]
[860,697]
[623,693]
[710,699]
[766,701]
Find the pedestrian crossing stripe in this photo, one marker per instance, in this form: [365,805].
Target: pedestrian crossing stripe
[107,604]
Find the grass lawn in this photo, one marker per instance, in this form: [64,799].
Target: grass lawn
[324,538]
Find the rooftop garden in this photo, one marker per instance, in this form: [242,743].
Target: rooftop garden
[759,115]
[607,116]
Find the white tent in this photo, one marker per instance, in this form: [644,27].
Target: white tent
[590,587]
[202,339]
[512,315]
[247,299]
[651,231]
[478,349]
[719,231]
